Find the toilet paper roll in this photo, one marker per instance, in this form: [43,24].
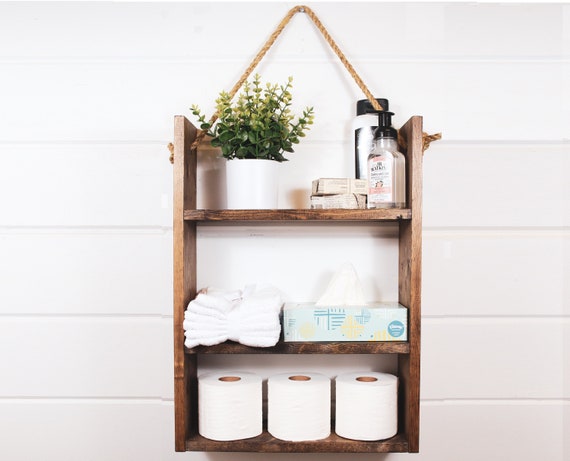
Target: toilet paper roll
[229,405]
[366,405]
[299,406]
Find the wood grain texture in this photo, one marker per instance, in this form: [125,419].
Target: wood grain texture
[230,347]
[409,281]
[266,443]
[184,238]
[297,215]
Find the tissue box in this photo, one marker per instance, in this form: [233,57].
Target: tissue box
[373,322]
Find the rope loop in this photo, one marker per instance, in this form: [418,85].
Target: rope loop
[427,139]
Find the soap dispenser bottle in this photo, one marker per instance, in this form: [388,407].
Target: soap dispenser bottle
[386,167]
[364,125]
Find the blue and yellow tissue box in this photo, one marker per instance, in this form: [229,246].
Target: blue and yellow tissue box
[384,321]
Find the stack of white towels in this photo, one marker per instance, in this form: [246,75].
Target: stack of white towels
[249,316]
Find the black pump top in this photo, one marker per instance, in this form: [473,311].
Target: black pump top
[364,106]
[385,129]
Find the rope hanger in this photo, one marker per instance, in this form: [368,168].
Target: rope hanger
[427,139]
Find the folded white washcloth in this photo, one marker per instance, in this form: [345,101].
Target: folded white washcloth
[250,317]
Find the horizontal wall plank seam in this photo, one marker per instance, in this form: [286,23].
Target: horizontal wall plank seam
[497,401]
[86,142]
[169,401]
[86,229]
[85,399]
[429,231]
[500,142]
[84,316]
[433,319]
[296,58]
[440,143]
[499,231]
[499,319]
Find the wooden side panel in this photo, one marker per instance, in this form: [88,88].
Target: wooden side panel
[409,283]
[184,237]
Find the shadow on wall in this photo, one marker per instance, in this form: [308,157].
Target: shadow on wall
[211,178]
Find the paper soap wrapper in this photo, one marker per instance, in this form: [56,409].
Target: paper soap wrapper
[366,405]
[338,201]
[299,406]
[384,321]
[230,405]
[333,186]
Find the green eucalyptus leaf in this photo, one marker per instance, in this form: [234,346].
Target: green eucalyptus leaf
[226,136]
[226,149]
[258,123]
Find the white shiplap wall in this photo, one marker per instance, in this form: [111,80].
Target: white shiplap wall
[87,95]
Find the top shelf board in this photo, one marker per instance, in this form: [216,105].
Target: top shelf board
[392,214]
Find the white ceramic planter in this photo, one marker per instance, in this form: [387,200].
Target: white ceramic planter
[252,184]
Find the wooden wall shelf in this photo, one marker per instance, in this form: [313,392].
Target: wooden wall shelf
[298,215]
[186,220]
[332,444]
[229,347]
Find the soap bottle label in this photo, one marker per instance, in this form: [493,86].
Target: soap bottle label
[380,177]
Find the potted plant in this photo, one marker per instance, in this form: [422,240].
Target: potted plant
[254,133]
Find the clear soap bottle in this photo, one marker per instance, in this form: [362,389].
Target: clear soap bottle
[386,167]
[364,124]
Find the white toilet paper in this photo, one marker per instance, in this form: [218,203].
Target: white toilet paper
[229,405]
[299,406]
[366,405]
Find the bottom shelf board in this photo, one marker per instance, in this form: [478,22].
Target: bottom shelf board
[266,443]
[339,347]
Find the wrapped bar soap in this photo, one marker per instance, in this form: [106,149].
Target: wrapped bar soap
[333,186]
[342,201]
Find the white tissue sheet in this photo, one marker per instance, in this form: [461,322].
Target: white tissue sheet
[344,289]
[299,406]
[229,405]
[366,405]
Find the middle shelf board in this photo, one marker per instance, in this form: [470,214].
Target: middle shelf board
[380,347]
[392,214]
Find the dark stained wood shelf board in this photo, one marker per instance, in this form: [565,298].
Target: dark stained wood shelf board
[230,347]
[392,214]
[266,443]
